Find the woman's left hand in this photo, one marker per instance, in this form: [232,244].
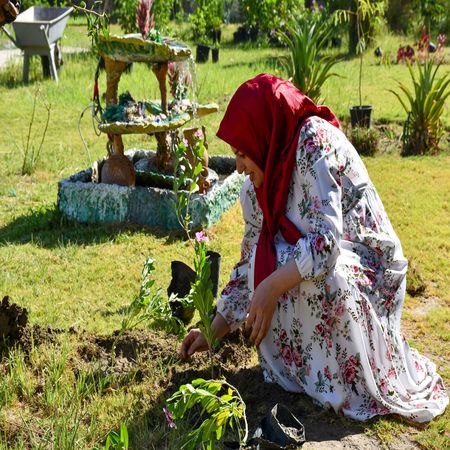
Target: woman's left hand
[261,309]
[265,299]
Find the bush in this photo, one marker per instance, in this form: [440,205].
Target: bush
[207,18]
[306,65]
[125,14]
[365,140]
[265,15]
[424,105]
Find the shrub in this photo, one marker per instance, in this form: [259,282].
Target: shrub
[265,15]
[207,17]
[424,106]
[306,65]
[365,140]
[125,14]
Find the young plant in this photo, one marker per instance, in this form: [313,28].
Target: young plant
[223,410]
[306,65]
[366,11]
[365,140]
[424,106]
[30,152]
[201,291]
[96,22]
[188,167]
[149,305]
[115,440]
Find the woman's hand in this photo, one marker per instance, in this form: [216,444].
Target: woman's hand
[265,299]
[193,342]
[261,309]
[196,342]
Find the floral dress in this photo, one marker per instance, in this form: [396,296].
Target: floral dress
[336,336]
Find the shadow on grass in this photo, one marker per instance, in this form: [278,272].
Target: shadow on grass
[48,228]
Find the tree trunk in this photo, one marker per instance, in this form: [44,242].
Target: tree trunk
[108,6]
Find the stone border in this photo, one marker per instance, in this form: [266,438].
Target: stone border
[81,200]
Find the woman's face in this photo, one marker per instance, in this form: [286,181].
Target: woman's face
[245,165]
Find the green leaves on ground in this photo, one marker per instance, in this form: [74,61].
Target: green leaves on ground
[223,410]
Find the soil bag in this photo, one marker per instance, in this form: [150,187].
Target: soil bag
[280,429]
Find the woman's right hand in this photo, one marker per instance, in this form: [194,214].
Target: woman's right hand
[193,342]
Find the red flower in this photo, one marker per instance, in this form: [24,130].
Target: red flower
[286,353]
[350,373]
[327,372]
[319,328]
[283,334]
[297,358]
[319,243]
[353,361]
[340,309]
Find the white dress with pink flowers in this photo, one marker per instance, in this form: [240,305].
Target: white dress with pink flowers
[336,337]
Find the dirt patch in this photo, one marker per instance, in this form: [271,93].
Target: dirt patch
[426,305]
[15,330]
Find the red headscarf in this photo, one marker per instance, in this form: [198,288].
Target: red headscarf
[263,121]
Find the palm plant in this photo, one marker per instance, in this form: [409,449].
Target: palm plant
[306,66]
[424,105]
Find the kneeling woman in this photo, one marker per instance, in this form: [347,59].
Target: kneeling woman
[322,276]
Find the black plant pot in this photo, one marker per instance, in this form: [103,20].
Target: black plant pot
[216,35]
[214,259]
[182,278]
[361,116]
[202,53]
[215,55]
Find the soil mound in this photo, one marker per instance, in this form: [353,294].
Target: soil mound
[15,330]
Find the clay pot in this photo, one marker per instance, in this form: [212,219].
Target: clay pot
[118,169]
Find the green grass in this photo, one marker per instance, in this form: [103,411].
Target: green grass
[68,274]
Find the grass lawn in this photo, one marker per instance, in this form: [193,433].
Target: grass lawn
[82,277]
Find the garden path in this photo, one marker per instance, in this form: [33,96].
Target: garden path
[6,55]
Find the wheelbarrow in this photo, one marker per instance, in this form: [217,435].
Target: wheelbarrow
[37,31]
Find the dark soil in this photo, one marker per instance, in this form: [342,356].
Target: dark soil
[15,331]
[139,352]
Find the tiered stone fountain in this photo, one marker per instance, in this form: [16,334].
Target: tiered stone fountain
[135,186]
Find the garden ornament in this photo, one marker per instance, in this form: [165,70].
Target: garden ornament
[9,10]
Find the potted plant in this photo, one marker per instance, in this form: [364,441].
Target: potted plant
[206,23]
[364,12]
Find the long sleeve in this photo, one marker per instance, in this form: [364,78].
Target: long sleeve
[316,201]
[234,299]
